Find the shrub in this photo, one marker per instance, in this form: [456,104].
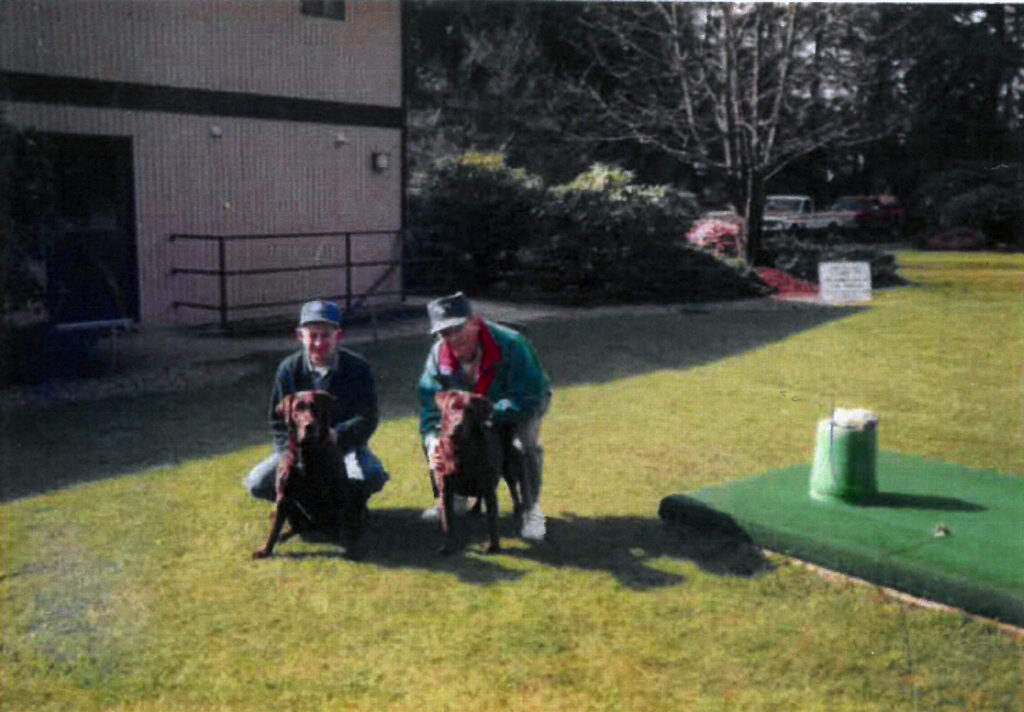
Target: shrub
[28,224]
[800,258]
[598,238]
[722,237]
[681,273]
[471,213]
[29,348]
[980,196]
[996,210]
[601,178]
[593,222]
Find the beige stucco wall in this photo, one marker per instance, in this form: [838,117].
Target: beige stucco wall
[229,175]
[261,47]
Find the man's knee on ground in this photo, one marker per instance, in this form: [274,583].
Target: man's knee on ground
[261,480]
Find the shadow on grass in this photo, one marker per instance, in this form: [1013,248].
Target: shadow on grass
[626,547]
[72,443]
[66,444]
[601,349]
[623,547]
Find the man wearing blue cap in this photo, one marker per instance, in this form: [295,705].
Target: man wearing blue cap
[322,365]
[480,356]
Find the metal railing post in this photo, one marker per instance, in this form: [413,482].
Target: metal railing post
[348,271]
[222,269]
[401,264]
[224,309]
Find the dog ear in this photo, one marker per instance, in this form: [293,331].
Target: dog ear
[284,408]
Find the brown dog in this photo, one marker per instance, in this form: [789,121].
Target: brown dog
[313,490]
[470,462]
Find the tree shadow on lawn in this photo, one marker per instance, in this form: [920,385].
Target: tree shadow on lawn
[602,349]
[66,444]
[72,443]
[624,547]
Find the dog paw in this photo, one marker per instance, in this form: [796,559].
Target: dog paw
[261,553]
[492,548]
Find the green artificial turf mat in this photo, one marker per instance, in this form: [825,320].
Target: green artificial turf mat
[936,530]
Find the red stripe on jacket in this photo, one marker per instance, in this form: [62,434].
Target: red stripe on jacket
[489,358]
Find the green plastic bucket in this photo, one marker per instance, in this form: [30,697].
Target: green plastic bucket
[845,455]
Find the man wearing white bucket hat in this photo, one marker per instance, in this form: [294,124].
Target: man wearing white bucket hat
[480,356]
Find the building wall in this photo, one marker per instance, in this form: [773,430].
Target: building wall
[264,47]
[228,171]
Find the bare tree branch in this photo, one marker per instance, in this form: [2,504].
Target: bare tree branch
[745,88]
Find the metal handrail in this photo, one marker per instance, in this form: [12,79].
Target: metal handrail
[223,273]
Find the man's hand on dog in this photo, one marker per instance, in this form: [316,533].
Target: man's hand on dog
[434,453]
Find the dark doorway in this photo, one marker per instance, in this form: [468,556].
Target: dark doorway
[92,269]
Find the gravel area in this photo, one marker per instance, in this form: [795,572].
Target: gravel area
[160,360]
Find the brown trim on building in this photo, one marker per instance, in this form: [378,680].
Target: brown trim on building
[130,96]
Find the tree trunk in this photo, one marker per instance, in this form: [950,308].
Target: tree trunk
[754,209]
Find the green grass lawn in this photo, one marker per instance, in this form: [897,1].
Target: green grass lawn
[133,590]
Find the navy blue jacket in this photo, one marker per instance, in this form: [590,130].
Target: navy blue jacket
[350,381]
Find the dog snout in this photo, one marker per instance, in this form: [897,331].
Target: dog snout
[306,427]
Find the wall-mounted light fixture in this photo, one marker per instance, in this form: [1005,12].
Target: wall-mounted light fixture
[340,139]
[216,131]
[380,160]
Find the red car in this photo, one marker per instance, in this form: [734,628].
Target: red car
[871,213]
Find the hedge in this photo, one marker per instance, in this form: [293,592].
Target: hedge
[599,238]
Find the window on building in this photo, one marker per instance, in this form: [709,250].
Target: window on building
[329,9]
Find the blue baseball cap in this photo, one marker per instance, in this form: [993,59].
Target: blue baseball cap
[319,311]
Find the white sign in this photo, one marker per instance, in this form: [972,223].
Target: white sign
[844,282]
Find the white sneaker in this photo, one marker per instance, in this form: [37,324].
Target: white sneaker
[431,513]
[460,505]
[534,527]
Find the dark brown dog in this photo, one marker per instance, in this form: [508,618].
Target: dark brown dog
[314,493]
[470,462]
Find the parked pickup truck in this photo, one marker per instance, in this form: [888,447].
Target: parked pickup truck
[795,213]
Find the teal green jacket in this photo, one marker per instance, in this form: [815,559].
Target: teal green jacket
[510,376]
